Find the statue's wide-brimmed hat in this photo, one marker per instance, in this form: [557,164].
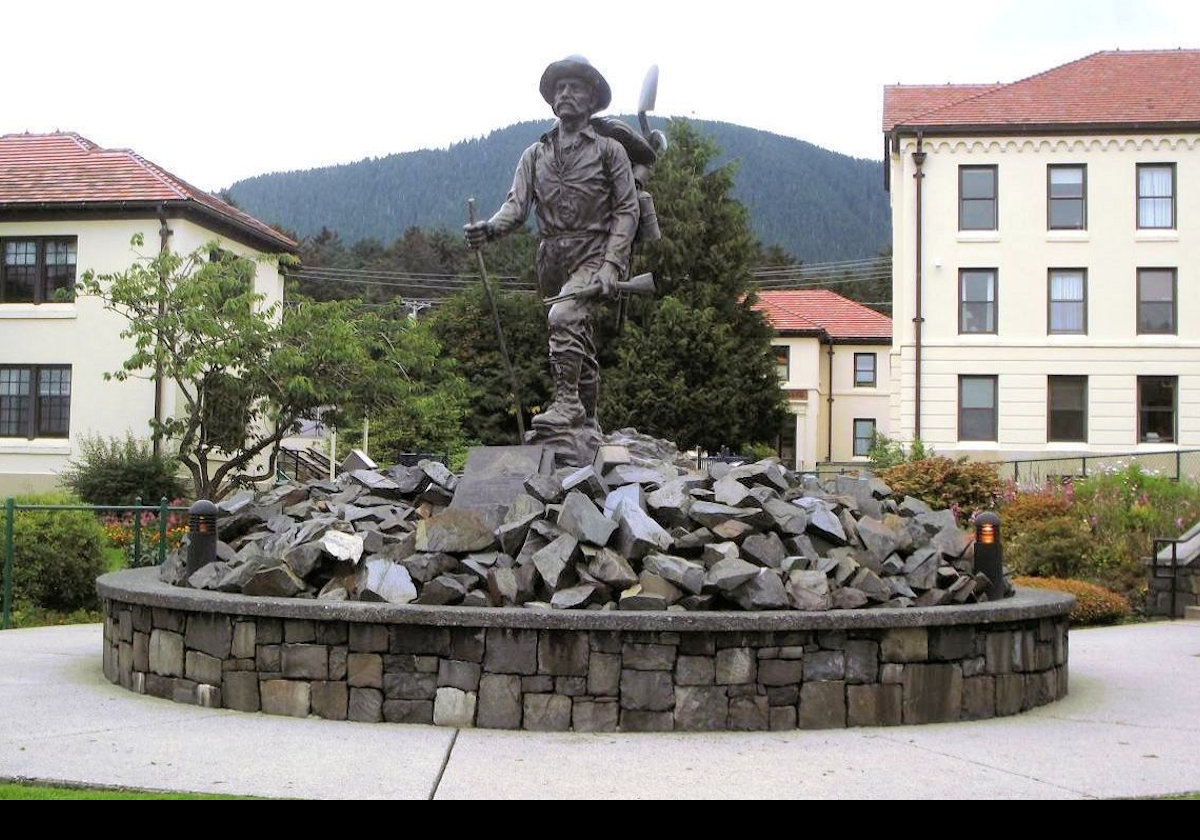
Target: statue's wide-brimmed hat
[579,67]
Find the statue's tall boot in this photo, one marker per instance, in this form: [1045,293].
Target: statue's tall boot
[567,410]
[589,394]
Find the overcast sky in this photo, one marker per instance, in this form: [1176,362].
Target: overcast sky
[216,91]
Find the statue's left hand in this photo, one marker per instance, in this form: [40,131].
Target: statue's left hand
[606,279]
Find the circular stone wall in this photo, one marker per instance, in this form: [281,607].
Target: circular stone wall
[584,670]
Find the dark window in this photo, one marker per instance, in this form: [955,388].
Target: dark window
[38,269]
[786,447]
[1067,311]
[864,437]
[864,370]
[1156,195]
[1156,301]
[1066,400]
[976,408]
[977,198]
[977,300]
[1156,408]
[1066,197]
[782,361]
[35,401]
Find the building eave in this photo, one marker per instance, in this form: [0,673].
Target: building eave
[220,223]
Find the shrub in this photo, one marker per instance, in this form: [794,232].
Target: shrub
[961,485]
[57,555]
[116,472]
[1093,604]
[1058,546]
[885,452]
[1026,509]
[1125,510]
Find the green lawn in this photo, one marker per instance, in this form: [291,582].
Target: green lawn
[22,790]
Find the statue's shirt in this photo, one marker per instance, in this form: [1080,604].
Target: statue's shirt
[582,195]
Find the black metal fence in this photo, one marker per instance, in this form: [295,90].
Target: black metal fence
[1178,465]
[160,513]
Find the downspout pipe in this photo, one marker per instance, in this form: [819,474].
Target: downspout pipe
[164,247]
[829,398]
[918,157]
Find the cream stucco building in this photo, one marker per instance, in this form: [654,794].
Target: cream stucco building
[832,358]
[67,206]
[1046,253]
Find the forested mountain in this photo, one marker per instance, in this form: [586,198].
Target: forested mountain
[816,204]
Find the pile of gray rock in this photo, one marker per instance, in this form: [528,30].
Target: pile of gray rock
[631,532]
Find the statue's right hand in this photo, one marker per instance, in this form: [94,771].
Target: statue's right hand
[477,233]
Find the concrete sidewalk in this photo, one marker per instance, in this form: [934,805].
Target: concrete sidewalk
[1130,727]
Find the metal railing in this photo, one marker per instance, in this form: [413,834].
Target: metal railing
[1157,566]
[1178,465]
[163,510]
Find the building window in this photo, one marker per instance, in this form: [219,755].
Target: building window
[1156,195]
[782,361]
[977,198]
[1156,301]
[1156,408]
[1066,408]
[1066,197]
[38,269]
[977,300]
[864,370]
[977,408]
[864,437]
[1068,301]
[35,401]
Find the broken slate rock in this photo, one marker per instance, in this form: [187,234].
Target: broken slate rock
[848,598]
[823,523]
[764,591]
[440,475]
[609,567]
[730,491]
[685,574]
[383,580]
[764,549]
[789,519]
[671,503]
[275,581]
[554,561]
[425,566]
[573,597]
[454,530]
[583,520]
[304,558]
[443,590]
[633,493]
[871,585]
[635,598]
[587,480]
[637,533]
[728,574]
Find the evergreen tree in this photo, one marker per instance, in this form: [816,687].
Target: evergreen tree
[695,364]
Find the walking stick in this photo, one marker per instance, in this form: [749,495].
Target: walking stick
[487,290]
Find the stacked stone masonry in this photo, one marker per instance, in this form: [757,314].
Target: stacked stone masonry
[586,679]
[1171,594]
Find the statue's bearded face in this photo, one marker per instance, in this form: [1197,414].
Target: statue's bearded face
[573,97]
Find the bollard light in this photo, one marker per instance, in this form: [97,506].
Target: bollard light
[202,535]
[989,552]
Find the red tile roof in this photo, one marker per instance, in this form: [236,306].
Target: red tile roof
[45,170]
[823,311]
[1107,88]
[901,102]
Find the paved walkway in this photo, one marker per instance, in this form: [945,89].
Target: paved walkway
[1130,727]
